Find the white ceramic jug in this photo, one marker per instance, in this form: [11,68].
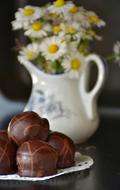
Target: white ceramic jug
[65,102]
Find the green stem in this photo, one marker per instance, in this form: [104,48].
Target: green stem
[111,57]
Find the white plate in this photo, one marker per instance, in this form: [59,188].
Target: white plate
[82,162]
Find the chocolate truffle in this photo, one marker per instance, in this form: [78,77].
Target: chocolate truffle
[27,126]
[4,136]
[65,148]
[36,158]
[7,156]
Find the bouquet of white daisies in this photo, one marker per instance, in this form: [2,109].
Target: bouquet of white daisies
[59,36]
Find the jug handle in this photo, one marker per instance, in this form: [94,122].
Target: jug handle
[89,98]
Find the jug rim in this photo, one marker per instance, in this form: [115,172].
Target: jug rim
[49,75]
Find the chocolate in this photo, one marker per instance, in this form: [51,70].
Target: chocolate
[7,156]
[4,136]
[65,148]
[36,158]
[27,126]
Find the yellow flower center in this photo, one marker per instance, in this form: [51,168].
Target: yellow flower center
[74,10]
[70,29]
[37,26]
[28,11]
[52,14]
[59,3]
[94,19]
[57,28]
[53,48]
[30,55]
[75,64]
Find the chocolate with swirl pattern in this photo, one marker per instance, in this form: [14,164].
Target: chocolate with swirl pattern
[65,148]
[36,158]
[27,126]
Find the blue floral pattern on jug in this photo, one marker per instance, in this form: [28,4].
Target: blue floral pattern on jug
[47,105]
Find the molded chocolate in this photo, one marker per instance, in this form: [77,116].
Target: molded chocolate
[4,135]
[36,158]
[7,155]
[65,148]
[27,126]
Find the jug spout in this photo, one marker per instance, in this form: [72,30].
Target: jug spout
[31,68]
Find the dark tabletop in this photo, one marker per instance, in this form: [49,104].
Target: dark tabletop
[103,147]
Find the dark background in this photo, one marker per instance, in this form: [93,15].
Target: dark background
[15,82]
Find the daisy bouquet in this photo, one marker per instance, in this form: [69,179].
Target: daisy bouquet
[59,36]
[116,53]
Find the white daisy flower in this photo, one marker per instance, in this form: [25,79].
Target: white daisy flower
[73,64]
[116,50]
[74,9]
[30,52]
[60,6]
[78,14]
[94,19]
[53,48]
[73,12]
[25,16]
[22,59]
[16,25]
[72,27]
[72,46]
[59,30]
[90,35]
[73,30]
[83,20]
[37,30]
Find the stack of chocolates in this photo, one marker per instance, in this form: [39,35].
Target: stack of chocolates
[30,149]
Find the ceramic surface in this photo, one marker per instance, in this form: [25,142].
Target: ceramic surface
[65,102]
